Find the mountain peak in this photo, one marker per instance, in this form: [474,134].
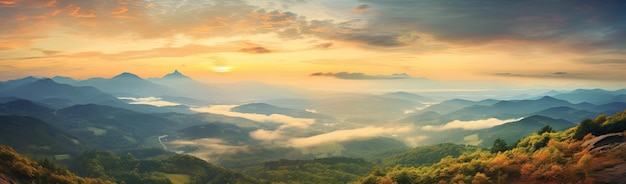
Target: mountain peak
[46,81]
[175,75]
[127,75]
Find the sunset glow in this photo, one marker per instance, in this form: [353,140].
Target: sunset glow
[526,43]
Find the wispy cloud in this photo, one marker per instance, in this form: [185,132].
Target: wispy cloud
[154,101]
[345,135]
[470,125]
[209,147]
[286,121]
[267,135]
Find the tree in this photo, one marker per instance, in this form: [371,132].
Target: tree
[545,129]
[499,145]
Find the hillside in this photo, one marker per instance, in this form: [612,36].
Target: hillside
[572,156]
[42,138]
[15,168]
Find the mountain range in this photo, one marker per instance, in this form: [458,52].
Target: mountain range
[257,122]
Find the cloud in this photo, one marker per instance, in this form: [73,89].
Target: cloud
[255,50]
[569,23]
[154,101]
[324,45]
[209,147]
[345,135]
[286,121]
[470,125]
[267,135]
[602,61]
[361,76]
[362,8]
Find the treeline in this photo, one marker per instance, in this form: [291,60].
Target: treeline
[313,171]
[275,165]
[128,169]
[544,157]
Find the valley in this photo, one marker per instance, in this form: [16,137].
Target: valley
[331,137]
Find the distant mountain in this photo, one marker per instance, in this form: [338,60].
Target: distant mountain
[128,84]
[64,80]
[22,107]
[407,96]
[17,82]
[566,113]
[449,106]
[187,86]
[43,89]
[595,96]
[511,132]
[618,98]
[508,109]
[609,108]
[26,134]
[267,109]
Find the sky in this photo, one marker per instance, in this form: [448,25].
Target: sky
[526,42]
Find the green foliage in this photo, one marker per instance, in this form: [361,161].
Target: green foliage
[320,170]
[19,169]
[128,169]
[545,129]
[499,146]
[426,155]
[548,157]
[601,125]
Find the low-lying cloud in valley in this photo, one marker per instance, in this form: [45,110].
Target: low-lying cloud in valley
[286,121]
[345,135]
[470,125]
[266,135]
[154,101]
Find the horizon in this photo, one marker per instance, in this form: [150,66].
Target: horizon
[321,44]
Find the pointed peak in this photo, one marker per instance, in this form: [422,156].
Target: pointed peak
[175,75]
[127,75]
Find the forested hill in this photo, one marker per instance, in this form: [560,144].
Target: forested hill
[592,152]
[103,167]
[15,168]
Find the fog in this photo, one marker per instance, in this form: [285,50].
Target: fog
[470,125]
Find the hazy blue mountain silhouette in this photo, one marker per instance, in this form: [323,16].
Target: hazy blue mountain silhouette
[128,84]
[17,82]
[407,96]
[46,89]
[455,104]
[508,109]
[595,96]
[513,131]
[64,80]
[566,113]
[187,86]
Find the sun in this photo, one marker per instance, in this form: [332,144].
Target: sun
[222,69]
